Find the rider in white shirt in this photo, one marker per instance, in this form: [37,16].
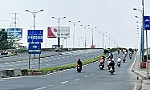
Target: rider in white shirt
[119,59]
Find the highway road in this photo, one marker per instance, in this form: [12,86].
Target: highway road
[91,78]
[56,60]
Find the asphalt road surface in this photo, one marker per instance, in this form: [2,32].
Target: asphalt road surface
[57,60]
[91,78]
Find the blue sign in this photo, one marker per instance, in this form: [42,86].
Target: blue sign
[147,22]
[14,33]
[35,35]
[34,48]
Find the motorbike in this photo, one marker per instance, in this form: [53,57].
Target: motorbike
[79,68]
[101,66]
[130,56]
[111,70]
[118,64]
[124,60]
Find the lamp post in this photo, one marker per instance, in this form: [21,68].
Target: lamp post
[34,14]
[92,36]
[141,55]
[103,34]
[142,36]
[109,39]
[58,19]
[98,37]
[142,30]
[74,24]
[85,33]
[79,41]
[106,39]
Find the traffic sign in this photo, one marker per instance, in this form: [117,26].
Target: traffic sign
[147,22]
[34,48]
[35,36]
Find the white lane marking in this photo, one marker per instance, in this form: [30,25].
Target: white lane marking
[86,76]
[77,79]
[40,88]
[51,85]
[64,82]
[92,74]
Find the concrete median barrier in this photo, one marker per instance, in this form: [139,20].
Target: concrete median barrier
[8,73]
[1,74]
[24,72]
[17,72]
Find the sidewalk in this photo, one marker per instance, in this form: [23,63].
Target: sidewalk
[142,73]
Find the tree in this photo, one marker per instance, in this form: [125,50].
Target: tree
[3,39]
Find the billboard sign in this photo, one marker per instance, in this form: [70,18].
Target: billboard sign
[35,36]
[14,33]
[53,32]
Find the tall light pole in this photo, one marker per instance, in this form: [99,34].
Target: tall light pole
[106,39]
[103,34]
[74,24]
[142,30]
[109,39]
[142,36]
[79,41]
[34,14]
[85,33]
[99,37]
[92,36]
[58,19]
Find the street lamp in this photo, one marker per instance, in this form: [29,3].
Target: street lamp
[142,37]
[138,17]
[109,39]
[98,37]
[34,14]
[85,33]
[138,10]
[58,19]
[74,24]
[142,30]
[79,41]
[92,36]
[106,38]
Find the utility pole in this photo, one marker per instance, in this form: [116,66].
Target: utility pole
[14,24]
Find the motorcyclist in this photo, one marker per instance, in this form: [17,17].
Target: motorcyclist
[79,63]
[124,57]
[102,60]
[110,55]
[130,54]
[118,51]
[109,60]
[119,59]
[112,64]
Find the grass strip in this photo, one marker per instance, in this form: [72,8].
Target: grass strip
[68,66]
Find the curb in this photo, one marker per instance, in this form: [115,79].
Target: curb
[138,84]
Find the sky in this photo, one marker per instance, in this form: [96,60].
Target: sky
[115,18]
